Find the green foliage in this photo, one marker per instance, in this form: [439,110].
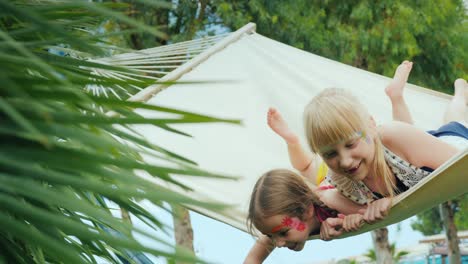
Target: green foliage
[151,13]
[62,158]
[371,254]
[373,35]
[429,223]
[396,255]
[346,261]
[461,216]
[180,20]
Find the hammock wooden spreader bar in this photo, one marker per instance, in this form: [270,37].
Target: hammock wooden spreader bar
[154,63]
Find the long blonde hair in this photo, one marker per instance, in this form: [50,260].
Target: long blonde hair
[277,192]
[335,115]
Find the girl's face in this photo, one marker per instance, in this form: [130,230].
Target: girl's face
[287,231]
[351,158]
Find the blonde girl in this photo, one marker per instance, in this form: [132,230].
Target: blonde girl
[367,162]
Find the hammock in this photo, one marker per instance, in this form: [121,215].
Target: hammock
[246,74]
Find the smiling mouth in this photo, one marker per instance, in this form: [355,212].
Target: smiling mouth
[354,169]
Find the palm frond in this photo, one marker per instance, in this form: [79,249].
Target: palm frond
[62,158]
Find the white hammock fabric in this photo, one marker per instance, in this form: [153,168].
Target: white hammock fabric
[251,73]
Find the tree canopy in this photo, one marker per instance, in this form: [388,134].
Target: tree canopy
[428,222]
[373,35]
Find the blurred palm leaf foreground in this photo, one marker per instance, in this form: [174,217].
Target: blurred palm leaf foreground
[67,165]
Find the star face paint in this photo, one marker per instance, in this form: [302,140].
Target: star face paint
[291,223]
[288,231]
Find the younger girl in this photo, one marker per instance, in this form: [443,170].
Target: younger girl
[286,208]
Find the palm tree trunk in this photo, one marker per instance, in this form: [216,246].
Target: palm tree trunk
[183,231]
[381,246]
[447,215]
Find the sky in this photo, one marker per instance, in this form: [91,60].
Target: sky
[220,243]
[217,242]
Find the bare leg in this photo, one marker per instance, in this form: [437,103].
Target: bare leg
[394,91]
[456,109]
[300,158]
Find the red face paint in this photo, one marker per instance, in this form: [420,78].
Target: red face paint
[290,222]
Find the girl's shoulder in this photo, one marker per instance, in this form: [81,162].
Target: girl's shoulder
[414,145]
[396,136]
[394,129]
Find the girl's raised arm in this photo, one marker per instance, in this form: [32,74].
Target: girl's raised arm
[260,251]
[301,159]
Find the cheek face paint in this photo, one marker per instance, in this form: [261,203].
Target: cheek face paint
[290,222]
[364,136]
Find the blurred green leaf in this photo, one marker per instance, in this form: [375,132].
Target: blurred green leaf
[63,157]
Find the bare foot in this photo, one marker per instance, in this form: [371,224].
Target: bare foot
[280,127]
[395,88]
[461,89]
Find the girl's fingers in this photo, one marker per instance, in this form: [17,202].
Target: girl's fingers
[335,233]
[349,224]
[386,206]
[335,222]
[332,227]
[324,232]
[357,223]
[377,210]
[368,213]
[352,222]
[346,224]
